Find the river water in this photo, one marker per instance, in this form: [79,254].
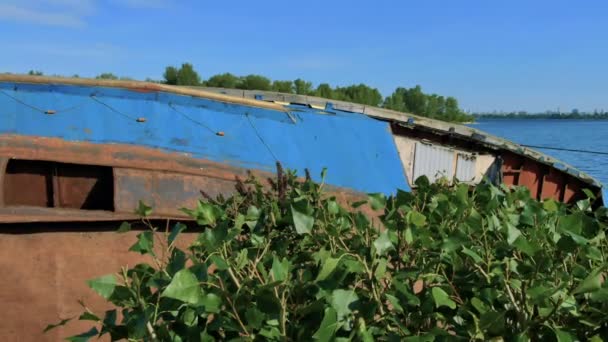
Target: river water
[572,134]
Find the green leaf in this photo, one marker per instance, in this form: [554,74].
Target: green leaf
[512,233]
[84,337]
[409,235]
[329,265]
[219,262]
[343,301]
[206,214]
[177,229]
[525,246]
[563,336]
[144,244]
[124,227]
[380,269]
[53,326]
[329,326]
[479,305]
[383,243]
[184,287]
[302,221]
[104,285]
[589,194]
[441,298]
[550,205]
[87,316]
[213,238]
[362,332]
[143,210]
[394,302]
[254,317]
[416,218]
[493,322]
[333,207]
[280,269]
[253,214]
[212,303]
[377,201]
[472,254]
[591,283]
[241,259]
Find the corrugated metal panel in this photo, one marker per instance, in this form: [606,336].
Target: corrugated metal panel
[433,161]
[465,167]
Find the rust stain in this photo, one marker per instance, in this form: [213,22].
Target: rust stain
[43,287]
[166,181]
[146,88]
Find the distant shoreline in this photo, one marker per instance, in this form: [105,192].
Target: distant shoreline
[594,117]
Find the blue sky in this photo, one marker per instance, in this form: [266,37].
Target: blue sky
[505,55]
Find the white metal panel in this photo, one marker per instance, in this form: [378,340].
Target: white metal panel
[433,161]
[466,167]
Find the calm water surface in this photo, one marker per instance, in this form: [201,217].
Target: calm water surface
[573,134]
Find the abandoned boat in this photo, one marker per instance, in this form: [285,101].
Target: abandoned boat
[87,151]
[82,150]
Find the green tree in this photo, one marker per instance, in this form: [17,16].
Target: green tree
[106,76]
[360,93]
[396,101]
[225,80]
[302,87]
[187,76]
[35,73]
[170,75]
[415,100]
[452,112]
[254,82]
[324,90]
[283,86]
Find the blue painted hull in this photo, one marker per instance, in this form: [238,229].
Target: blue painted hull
[359,152]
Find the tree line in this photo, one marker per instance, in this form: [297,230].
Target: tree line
[573,115]
[408,100]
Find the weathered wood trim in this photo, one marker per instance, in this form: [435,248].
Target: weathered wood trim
[142,87]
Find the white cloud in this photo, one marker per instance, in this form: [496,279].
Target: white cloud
[144,3]
[55,50]
[66,13]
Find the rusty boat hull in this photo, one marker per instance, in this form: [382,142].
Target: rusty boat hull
[76,157]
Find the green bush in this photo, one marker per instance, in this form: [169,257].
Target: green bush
[290,263]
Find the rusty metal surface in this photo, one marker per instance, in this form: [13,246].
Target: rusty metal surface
[167,180]
[28,183]
[542,181]
[166,192]
[44,274]
[83,187]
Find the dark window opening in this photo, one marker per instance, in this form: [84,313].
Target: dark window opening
[58,185]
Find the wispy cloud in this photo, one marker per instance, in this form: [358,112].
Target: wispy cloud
[144,3]
[65,13]
[89,51]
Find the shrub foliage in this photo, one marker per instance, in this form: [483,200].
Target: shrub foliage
[291,263]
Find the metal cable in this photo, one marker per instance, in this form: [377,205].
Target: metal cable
[23,103]
[566,149]
[191,119]
[261,139]
[45,111]
[111,108]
